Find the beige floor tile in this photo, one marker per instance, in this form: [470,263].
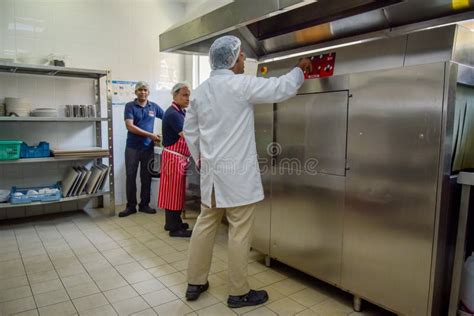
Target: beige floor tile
[128,268]
[60,309]
[308,312]
[13,282]
[120,294]
[130,306]
[15,293]
[269,277]
[42,277]
[75,280]
[47,286]
[111,283]
[105,310]
[288,286]
[174,256]
[83,289]
[90,302]
[10,255]
[333,307]
[173,279]
[103,273]
[107,246]
[261,311]
[159,297]
[180,265]
[308,297]
[221,292]
[162,270]
[179,290]
[139,276]
[206,299]
[273,294]
[17,306]
[49,298]
[256,267]
[174,308]
[99,264]
[148,286]
[33,312]
[216,310]
[70,270]
[151,262]
[146,312]
[286,306]
[216,280]
[255,283]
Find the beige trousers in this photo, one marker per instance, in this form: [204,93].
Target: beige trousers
[202,243]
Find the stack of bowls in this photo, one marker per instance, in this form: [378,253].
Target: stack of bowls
[4,195]
[18,106]
[45,112]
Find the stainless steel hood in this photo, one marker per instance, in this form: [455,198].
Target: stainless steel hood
[270,28]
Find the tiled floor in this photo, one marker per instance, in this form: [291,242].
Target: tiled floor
[79,263]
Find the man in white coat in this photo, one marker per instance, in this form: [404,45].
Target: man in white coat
[219,131]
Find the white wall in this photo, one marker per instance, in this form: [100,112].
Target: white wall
[119,35]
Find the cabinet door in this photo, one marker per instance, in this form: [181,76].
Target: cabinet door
[308,198]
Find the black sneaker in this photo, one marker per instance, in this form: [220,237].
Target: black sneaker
[181,233]
[147,209]
[127,211]
[194,291]
[252,298]
[183,226]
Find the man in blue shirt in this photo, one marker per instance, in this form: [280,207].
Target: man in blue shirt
[139,118]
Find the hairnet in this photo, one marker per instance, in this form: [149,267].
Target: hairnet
[224,52]
[178,87]
[142,84]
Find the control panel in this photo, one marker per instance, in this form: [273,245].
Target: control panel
[323,66]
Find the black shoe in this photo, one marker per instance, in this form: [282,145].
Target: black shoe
[127,211]
[183,226]
[252,298]
[181,233]
[194,291]
[147,209]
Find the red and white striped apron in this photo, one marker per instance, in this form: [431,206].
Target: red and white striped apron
[174,162]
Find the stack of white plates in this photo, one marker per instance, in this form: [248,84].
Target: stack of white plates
[45,112]
[4,195]
[18,106]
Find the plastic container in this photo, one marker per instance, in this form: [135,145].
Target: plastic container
[39,197]
[10,149]
[467,284]
[40,151]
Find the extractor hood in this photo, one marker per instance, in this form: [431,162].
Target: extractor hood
[269,28]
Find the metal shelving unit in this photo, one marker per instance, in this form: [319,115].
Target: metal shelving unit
[96,75]
[51,119]
[48,159]
[67,199]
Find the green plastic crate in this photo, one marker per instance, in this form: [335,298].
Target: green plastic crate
[10,149]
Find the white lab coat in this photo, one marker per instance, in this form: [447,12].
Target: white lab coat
[219,130]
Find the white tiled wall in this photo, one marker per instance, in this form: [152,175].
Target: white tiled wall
[119,35]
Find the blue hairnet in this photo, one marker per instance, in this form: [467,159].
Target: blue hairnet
[224,52]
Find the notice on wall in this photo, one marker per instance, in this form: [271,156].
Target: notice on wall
[123,92]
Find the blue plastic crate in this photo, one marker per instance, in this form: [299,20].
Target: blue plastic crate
[40,151]
[40,197]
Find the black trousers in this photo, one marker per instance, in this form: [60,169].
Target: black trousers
[133,158]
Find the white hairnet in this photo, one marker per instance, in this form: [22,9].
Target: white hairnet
[224,52]
[142,84]
[178,87]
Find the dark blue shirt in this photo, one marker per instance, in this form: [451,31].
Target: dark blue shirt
[143,117]
[173,122]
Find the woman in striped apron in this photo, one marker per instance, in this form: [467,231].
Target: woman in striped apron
[174,161]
